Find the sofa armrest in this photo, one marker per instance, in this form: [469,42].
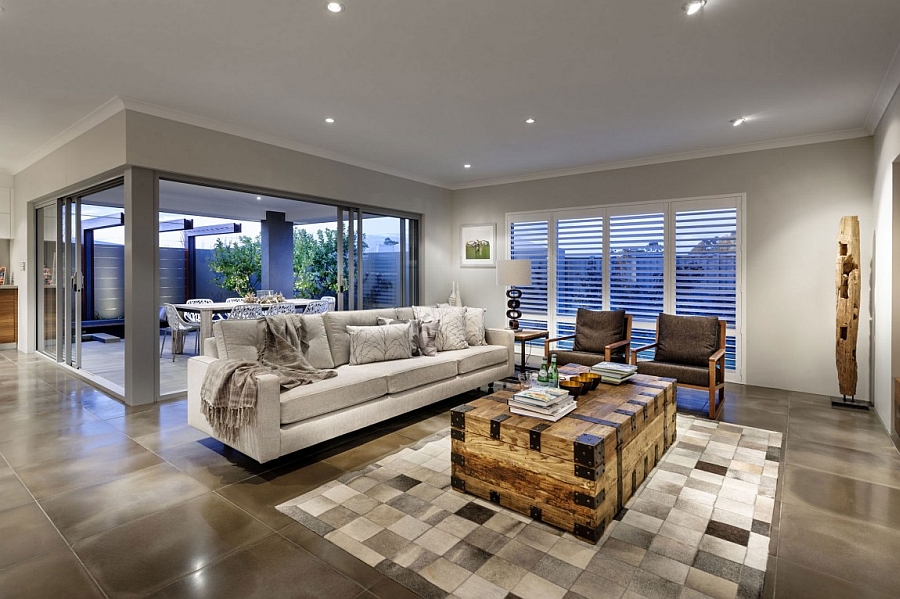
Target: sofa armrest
[261,437]
[506,338]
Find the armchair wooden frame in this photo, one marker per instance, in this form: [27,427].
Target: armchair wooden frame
[607,350]
[716,365]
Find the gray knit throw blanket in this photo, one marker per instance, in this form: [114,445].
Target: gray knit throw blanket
[229,389]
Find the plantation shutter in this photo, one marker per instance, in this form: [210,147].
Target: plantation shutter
[706,267]
[528,241]
[637,264]
[579,265]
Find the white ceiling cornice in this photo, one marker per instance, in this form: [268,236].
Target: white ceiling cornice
[106,110]
[272,140]
[681,156]
[889,86]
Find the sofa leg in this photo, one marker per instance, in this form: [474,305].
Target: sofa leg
[490,387]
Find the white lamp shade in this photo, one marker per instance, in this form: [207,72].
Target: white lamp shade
[514,272]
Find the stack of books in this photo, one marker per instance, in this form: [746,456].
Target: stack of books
[613,373]
[547,403]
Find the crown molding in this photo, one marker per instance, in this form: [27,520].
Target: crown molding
[677,157]
[272,140]
[104,111]
[889,86]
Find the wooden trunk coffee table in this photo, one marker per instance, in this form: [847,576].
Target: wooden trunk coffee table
[576,473]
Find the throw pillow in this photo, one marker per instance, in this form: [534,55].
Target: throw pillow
[428,332]
[378,344]
[452,334]
[475,326]
[414,326]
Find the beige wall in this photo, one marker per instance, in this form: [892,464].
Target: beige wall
[179,148]
[795,198]
[886,296]
[89,157]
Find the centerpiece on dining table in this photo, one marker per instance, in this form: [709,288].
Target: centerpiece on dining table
[267,298]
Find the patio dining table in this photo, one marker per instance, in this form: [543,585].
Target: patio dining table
[206,312]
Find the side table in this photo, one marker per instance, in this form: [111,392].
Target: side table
[524,336]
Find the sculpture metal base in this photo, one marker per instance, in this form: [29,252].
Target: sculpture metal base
[849,403]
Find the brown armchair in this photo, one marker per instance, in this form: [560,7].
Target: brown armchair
[599,336]
[691,350]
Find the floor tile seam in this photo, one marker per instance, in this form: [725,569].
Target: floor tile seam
[75,555]
[855,478]
[241,508]
[886,528]
[377,580]
[68,546]
[828,575]
[212,563]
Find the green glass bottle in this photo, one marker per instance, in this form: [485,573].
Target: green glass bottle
[553,375]
[543,375]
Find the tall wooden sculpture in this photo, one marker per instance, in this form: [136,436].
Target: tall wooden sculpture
[847,283]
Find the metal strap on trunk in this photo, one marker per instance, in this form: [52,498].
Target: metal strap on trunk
[495,425]
[534,436]
[458,416]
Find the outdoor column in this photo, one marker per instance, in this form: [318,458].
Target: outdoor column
[141,287]
[277,241]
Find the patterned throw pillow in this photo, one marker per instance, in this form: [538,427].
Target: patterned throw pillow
[414,326]
[379,344]
[452,334]
[428,332]
[475,326]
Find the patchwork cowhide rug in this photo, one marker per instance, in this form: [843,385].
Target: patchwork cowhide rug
[698,526]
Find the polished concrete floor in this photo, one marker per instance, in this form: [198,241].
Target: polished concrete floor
[101,500]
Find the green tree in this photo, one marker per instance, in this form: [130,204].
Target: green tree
[316,264]
[237,266]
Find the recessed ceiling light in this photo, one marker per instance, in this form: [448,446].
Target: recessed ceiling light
[329,120]
[467,166]
[335,6]
[738,121]
[529,121]
[693,7]
[258,198]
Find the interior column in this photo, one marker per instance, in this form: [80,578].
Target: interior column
[141,287]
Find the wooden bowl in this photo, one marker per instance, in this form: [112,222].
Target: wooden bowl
[590,380]
[573,387]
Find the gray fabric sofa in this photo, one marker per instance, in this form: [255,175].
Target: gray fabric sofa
[360,395]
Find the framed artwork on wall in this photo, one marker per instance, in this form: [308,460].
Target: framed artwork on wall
[478,246]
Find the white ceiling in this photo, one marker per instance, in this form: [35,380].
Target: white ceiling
[423,86]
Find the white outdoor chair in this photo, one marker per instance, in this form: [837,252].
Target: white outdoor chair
[332,301]
[317,307]
[234,300]
[281,308]
[179,325]
[195,316]
[246,312]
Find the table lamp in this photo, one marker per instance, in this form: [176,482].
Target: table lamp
[513,274]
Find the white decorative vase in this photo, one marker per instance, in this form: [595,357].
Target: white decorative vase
[453,300]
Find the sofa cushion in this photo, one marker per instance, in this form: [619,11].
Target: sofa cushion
[595,329]
[405,313]
[476,358]
[686,339]
[379,343]
[352,385]
[452,333]
[402,375]
[336,329]
[475,326]
[236,339]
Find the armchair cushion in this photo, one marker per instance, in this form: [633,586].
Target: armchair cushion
[564,356]
[594,330]
[689,340]
[686,375]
